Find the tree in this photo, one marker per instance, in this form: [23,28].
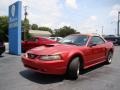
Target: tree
[34,27]
[25,24]
[64,31]
[4,27]
[46,29]
[26,27]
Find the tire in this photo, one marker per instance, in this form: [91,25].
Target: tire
[74,69]
[1,52]
[109,58]
[119,44]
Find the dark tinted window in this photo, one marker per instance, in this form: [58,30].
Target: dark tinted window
[53,38]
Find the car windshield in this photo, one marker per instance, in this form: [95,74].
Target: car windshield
[75,39]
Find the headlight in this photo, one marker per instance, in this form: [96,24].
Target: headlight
[50,57]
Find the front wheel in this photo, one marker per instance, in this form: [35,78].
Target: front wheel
[74,68]
[109,58]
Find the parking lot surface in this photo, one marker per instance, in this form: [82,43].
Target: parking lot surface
[13,76]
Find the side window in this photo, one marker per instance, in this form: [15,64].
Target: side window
[97,40]
[58,39]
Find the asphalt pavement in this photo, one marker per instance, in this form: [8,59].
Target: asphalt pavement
[13,76]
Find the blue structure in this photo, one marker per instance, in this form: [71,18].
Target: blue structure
[15,28]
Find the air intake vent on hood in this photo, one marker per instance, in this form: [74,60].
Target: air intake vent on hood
[49,45]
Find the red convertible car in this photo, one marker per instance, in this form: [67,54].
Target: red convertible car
[74,53]
[35,42]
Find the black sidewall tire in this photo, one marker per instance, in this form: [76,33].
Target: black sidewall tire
[73,68]
[109,56]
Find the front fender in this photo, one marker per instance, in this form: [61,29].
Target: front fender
[74,54]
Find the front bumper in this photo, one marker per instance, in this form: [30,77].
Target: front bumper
[56,67]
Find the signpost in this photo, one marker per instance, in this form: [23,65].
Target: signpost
[15,28]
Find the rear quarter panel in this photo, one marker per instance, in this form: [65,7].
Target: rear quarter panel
[109,46]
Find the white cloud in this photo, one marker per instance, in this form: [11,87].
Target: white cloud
[64,24]
[88,25]
[87,28]
[2,12]
[71,3]
[41,12]
[114,11]
[93,18]
[4,4]
[44,12]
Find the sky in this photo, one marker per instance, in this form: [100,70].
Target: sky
[86,16]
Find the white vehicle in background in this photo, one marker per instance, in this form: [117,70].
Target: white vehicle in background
[56,38]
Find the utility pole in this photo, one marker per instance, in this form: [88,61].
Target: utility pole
[115,31]
[96,31]
[25,31]
[25,8]
[118,24]
[102,30]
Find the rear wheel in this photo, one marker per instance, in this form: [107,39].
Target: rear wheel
[118,43]
[1,52]
[109,58]
[74,68]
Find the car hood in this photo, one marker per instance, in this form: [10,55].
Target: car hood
[53,49]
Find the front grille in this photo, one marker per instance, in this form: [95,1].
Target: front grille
[32,56]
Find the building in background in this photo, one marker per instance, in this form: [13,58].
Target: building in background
[39,33]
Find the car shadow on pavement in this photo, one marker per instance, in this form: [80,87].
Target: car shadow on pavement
[48,79]
[41,78]
[1,56]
